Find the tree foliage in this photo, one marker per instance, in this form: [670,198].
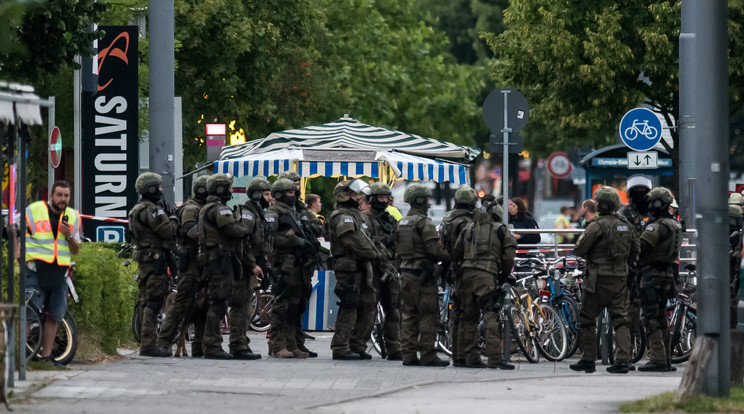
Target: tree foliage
[583,64]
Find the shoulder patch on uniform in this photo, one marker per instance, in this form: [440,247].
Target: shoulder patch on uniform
[270,219]
[348,220]
[226,212]
[364,226]
[404,222]
[160,211]
[622,227]
[304,218]
[676,223]
[650,227]
[247,216]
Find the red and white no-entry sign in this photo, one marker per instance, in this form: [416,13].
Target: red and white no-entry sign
[559,165]
[55,147]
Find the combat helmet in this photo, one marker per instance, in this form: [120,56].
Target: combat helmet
[638,180]
[736,199]
[146,180]
[414,191]
[466,195]
[219,184]
[280,186]
[258,183]
[342,191]
[607,199]
[496,212]
[291,176]
[379,189]
[659,198]
[200,182]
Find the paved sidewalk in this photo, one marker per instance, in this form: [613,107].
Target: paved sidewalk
[186,385]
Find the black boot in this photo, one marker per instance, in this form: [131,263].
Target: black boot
[436,362]
[245,354]
[347,356]
[221,354]
[161,352]
[310,354]
[395,356]
[586,366]
[654,367]
[618,369]
[501,365]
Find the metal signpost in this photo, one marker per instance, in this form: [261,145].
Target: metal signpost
[505,111]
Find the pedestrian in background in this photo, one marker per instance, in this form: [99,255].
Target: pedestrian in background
[315,205]
[52,237]
[520,218]
[587,212]
[563,221]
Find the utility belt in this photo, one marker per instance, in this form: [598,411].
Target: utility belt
[184,255]
[660,266]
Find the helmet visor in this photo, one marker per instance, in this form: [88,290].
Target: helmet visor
[360,187]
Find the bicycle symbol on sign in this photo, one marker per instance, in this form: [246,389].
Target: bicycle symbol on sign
[642,128]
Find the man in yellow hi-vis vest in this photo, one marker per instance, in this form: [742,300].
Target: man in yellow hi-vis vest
[52,237]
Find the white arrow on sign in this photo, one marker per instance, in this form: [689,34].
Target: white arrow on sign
[639,160]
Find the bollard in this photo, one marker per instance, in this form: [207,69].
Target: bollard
[7,313]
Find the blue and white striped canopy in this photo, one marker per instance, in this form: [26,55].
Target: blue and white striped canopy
[348,133]
[404,166]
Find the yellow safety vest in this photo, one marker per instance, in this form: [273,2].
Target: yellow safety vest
[40,241]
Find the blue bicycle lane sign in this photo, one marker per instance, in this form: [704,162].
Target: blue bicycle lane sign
[640,129]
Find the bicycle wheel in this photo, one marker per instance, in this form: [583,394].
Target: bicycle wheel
[521,333]
[552,341]
[444,331]
[638,345]
[683,337]
[377,338]
[137,321]
[262,311]
[568,310]
[65,340]
[605,334]
[34,329]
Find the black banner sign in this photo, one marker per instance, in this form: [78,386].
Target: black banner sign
[110,138]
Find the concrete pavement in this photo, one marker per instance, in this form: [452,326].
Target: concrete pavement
[186,385]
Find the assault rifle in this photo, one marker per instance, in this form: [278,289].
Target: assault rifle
[312,248]
[387,267]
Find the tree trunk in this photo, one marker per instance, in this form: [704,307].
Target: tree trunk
[692,381]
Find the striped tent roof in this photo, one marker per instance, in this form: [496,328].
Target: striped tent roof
[350,133]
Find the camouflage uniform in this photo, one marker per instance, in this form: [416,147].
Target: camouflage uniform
[420,249]
[382,228]
[453,224]
[153,236]
[486,250]
[660,244]
[186,307]
[608,244]
[220,236]
[351,252]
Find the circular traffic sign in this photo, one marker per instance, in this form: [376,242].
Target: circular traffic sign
[55,147]
[640,129]
[559,165]
[517,110]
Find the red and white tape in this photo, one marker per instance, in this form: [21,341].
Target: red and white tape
[106,219]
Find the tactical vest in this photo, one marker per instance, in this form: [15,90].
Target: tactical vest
[142,236]
[453,223]
[188,211]
[210,236]
[410,241]
[613,246]
[275,224]
[667,250]
[482,247]
[337,248]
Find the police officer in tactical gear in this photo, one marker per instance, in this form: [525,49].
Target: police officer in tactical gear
[419,248]
[636,213]
[453,224]
[189,273]
[314,228]
[287,271]
[609,245]
[736,221]
[660,244]
[381,228]
[485,250]
[351,252]
[153,236]
[220,237]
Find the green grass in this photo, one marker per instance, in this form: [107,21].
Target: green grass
[703,404]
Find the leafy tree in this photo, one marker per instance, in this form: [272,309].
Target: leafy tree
[51,34]
[583,64]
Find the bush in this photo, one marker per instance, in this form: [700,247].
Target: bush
[107,293]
